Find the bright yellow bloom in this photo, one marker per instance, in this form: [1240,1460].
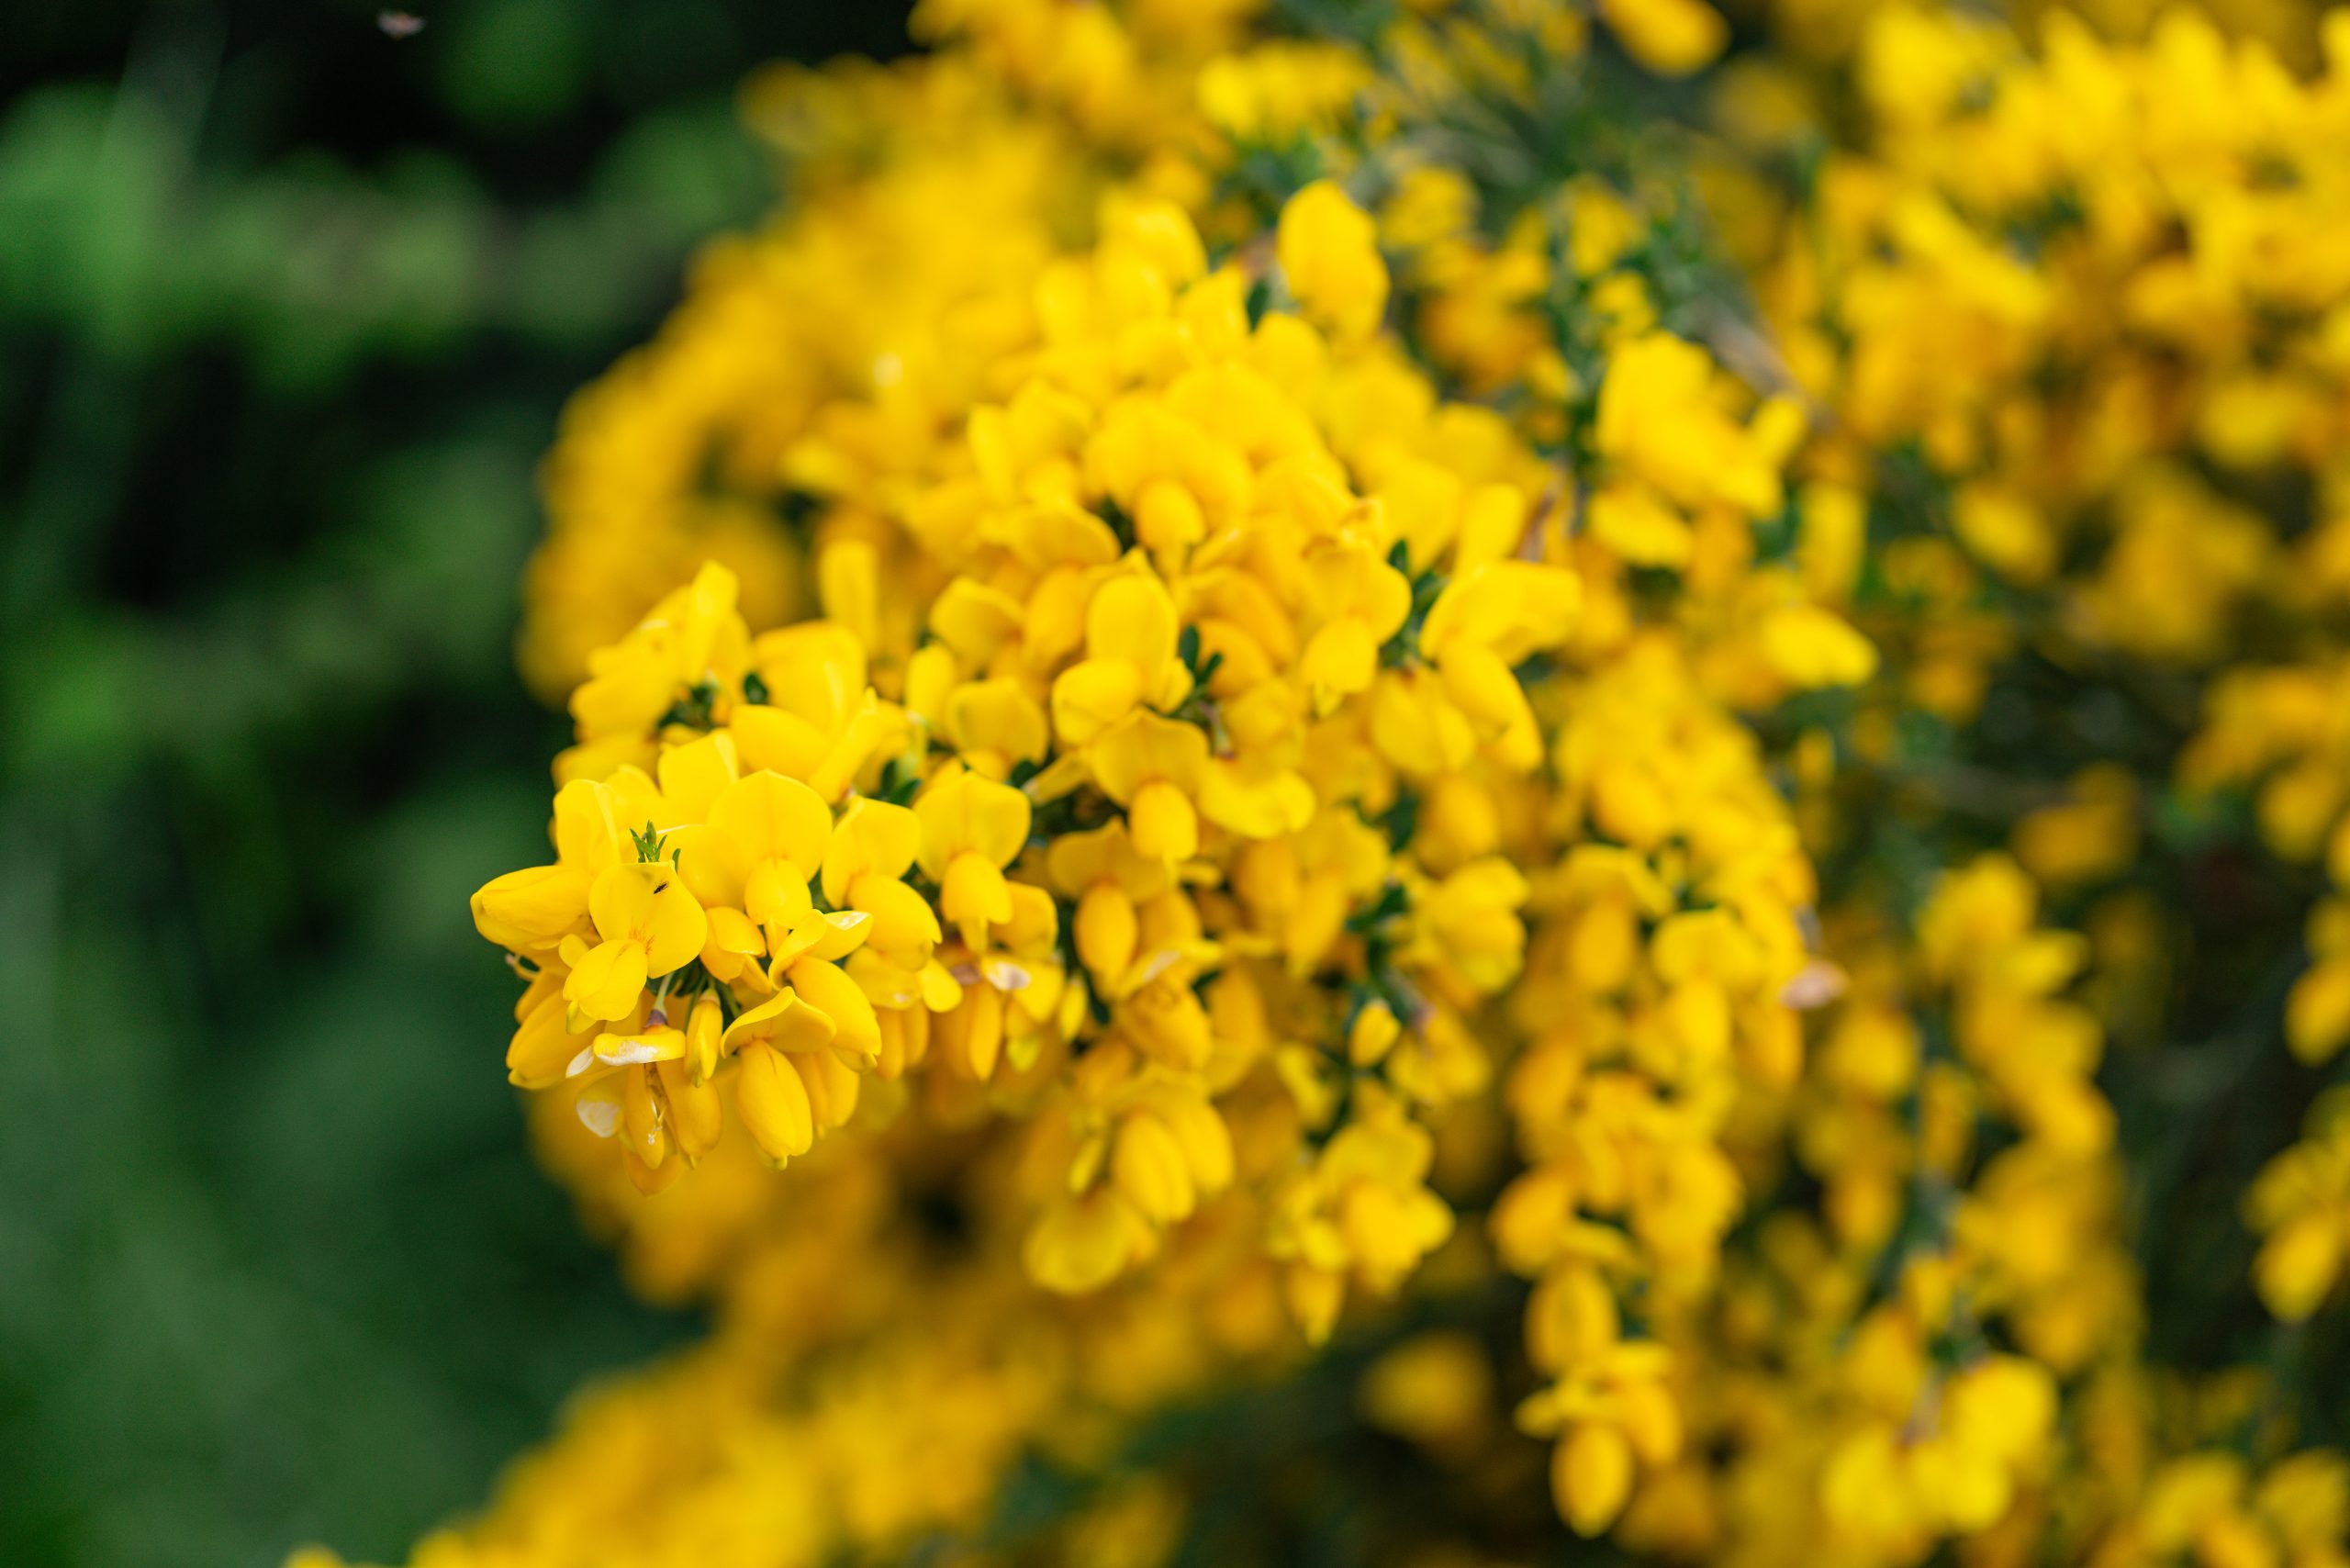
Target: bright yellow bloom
[1329,254]
[971,829]
[1672,38]
[646,924]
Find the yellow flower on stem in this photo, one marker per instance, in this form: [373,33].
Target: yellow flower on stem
[971,829]
[762,846]
[1153,767]
[1110,879]
[1329,254]
[647,925]
[533,910]
[1130,658]
[1484,624]
[872,848]
[822,723]
[2300,1203]
[1355,602]
[1360,1212]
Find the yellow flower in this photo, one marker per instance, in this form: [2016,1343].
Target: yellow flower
[2301,1202]
[763,842]
[1083,1244]
[691,635]
[1672,38]
[1358,601]
[1328,249]
[1130,659]
[1813,647]
[1658,422]
[971,829]
[533,910]
[1469,923]
[1110,880]
[1153,768]
[872,848]
[824,724]
[647,924]
[1360,1212]
[1487,620]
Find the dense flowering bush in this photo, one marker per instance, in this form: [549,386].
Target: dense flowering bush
[1393,695]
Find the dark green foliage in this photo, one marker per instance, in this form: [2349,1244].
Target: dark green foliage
[287,310]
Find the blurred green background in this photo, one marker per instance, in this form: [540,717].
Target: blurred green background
[287,310]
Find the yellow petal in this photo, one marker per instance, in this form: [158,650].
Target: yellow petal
[693,775]
[1164,823]
[1328,249]
[2317,1012]
[704,1026]
[941,991]
[997,716]
[1483,686]
[773,817]
[842,932]
[636,1050]
[641,1118]
[2298,1264]
[696,1118]
[711,863]
[620,901]
[783,1022]
[678,929]
[598,1107]
[771,740]
[1630,520]
[1132,618]
[975,896]
[775,895]
[999,816]
[1812,647]
[606,982]
[1271,805]
[1144,747]
[903,918]
[732,931]
[823,987]
[832,1086]
[971,1036]
[773,1102]
[974,619]
[873,730]
[587,831]
[1106,929]
[1341,660]
[1314,1295]
[848,585]
[872,836]
[1088,697]
[964,813]
[1373,1033]
[1672,38]
[543,1046]
[1591,1476]
[531,911]
[1081,1245]
[1150,1170]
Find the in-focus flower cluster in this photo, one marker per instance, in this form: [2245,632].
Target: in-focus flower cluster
[1185,799]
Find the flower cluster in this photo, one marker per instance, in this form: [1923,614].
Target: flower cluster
[1119,828]
[1225,707]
